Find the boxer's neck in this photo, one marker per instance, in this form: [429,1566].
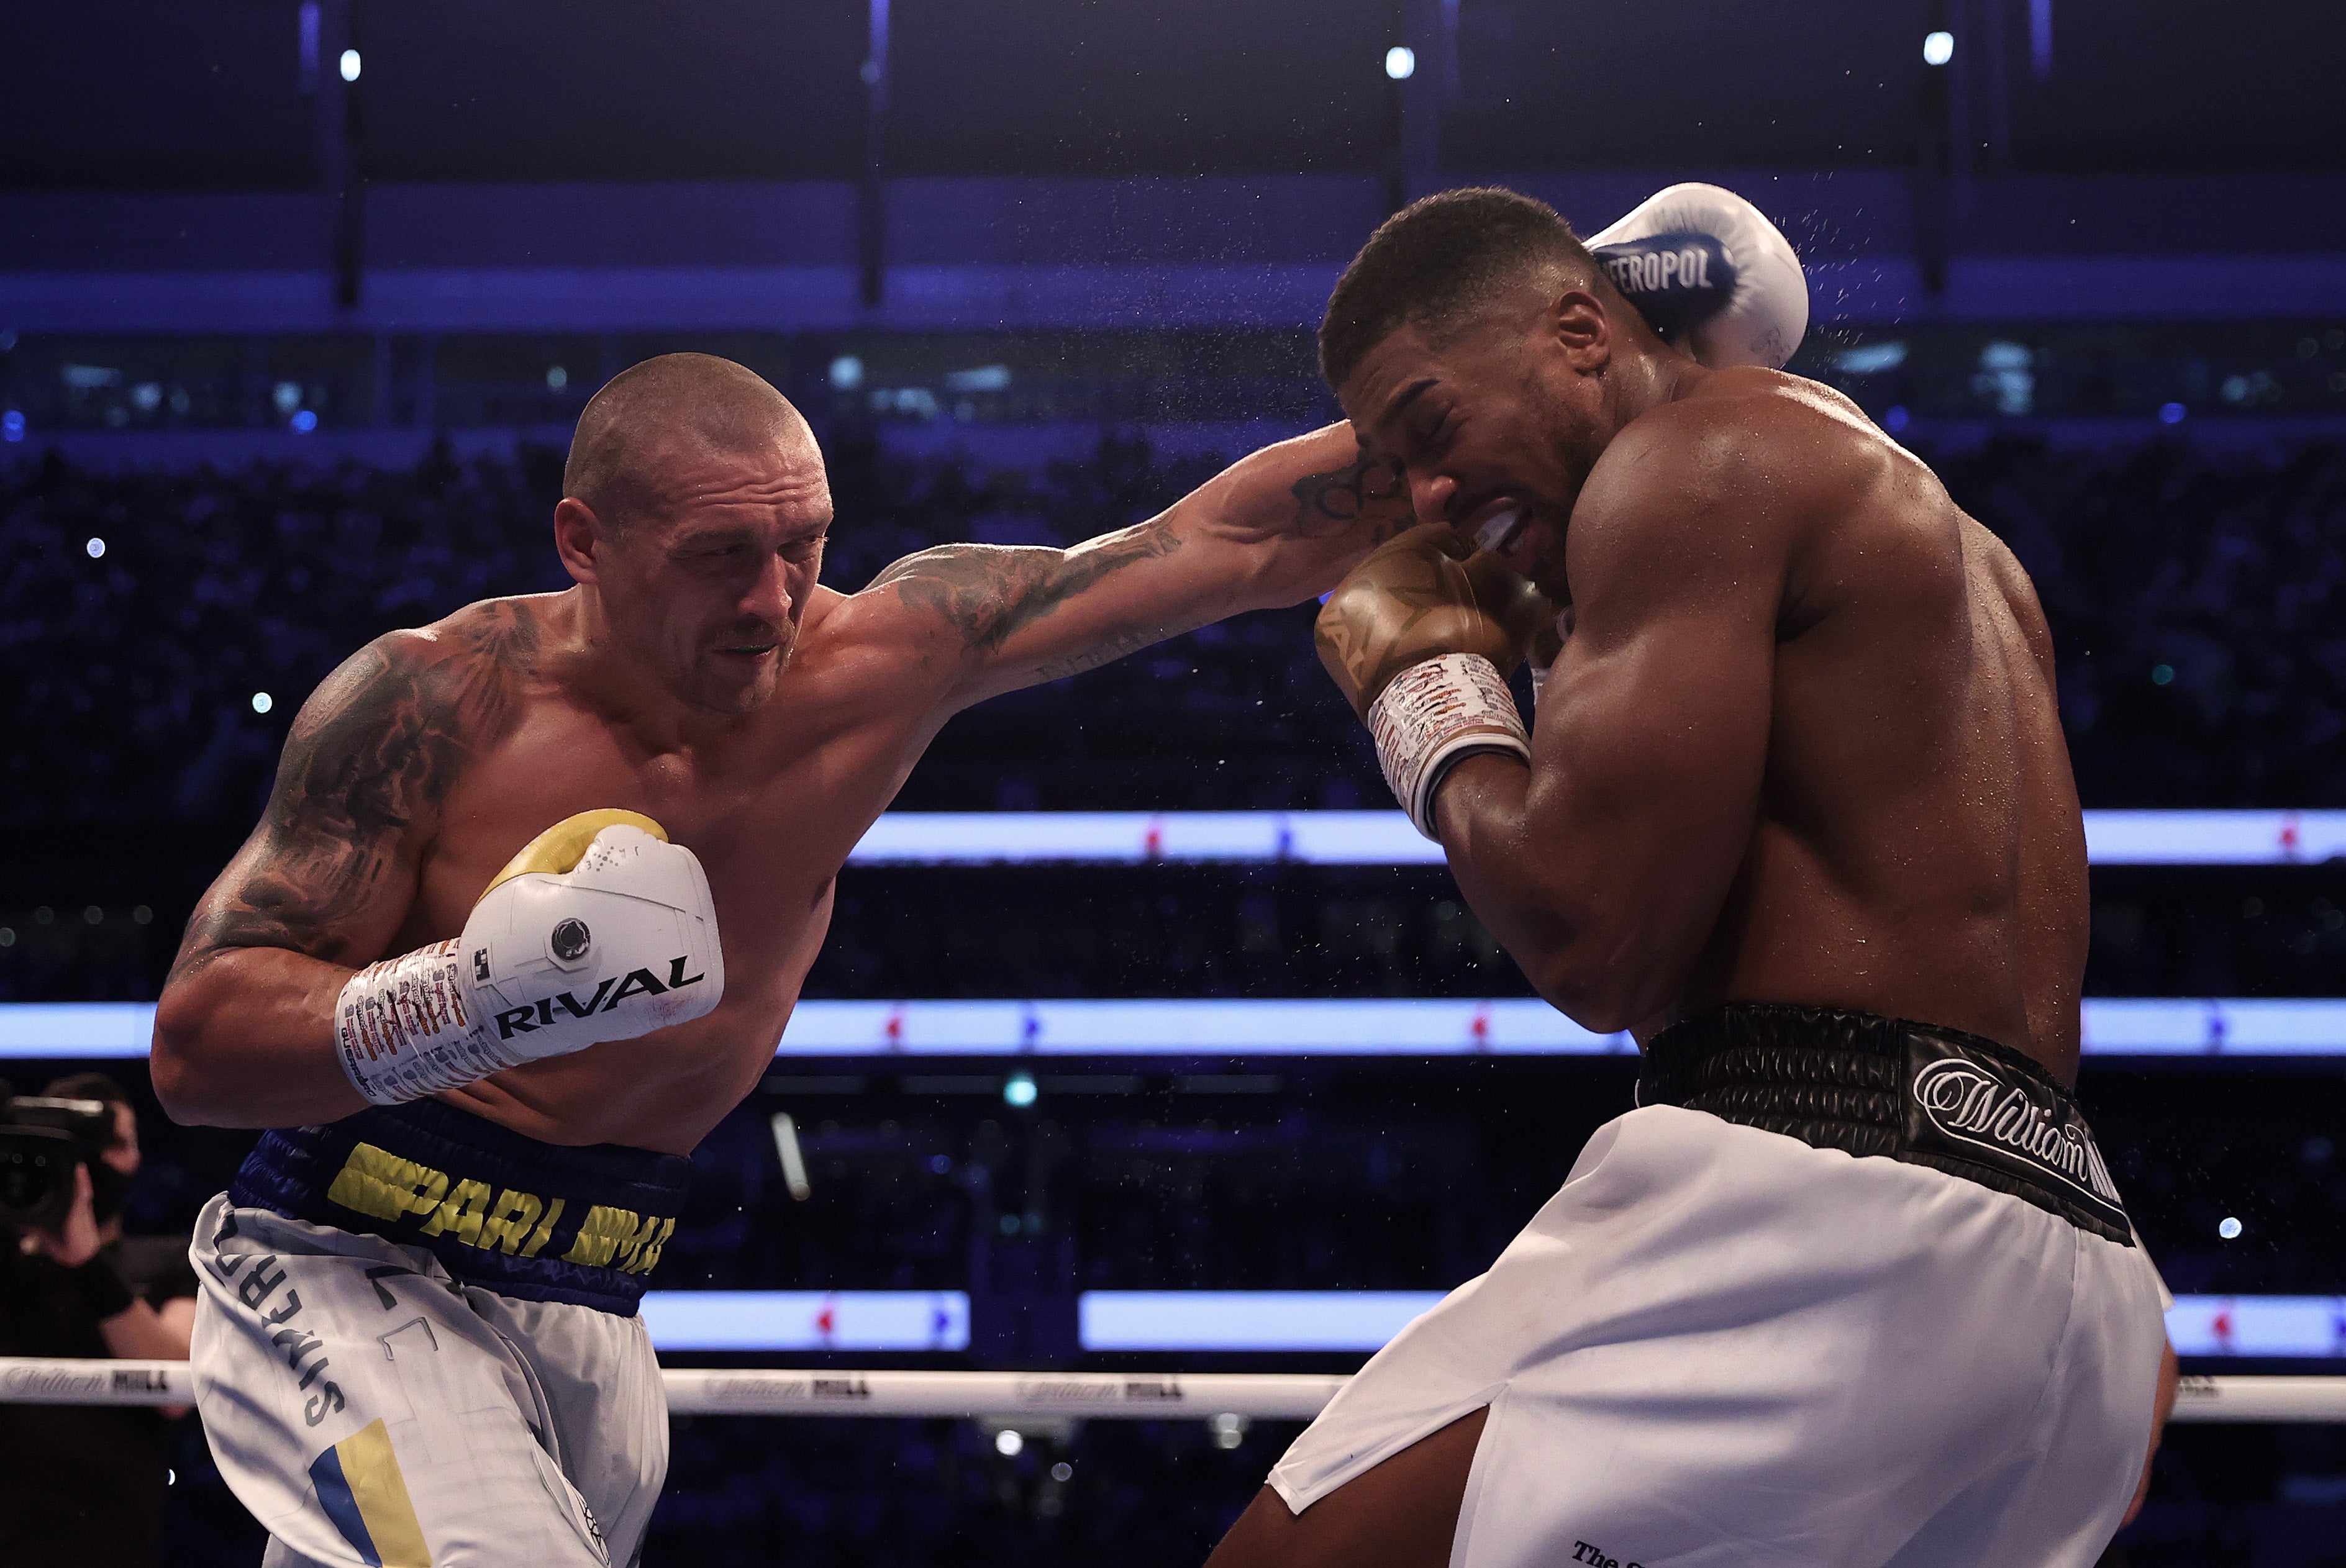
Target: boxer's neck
[607,675]
[1641,379]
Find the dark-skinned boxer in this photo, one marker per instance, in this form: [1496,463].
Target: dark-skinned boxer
[1851,1285]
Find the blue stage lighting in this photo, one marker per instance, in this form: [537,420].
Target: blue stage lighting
[1401,64]
[1938,48]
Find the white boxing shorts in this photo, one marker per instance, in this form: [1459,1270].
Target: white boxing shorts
[1860,1295]
[417,1344]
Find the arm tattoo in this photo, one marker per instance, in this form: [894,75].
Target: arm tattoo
[1367,488]
[988,592]
[373,754]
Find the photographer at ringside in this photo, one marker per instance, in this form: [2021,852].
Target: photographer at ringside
[86,1485]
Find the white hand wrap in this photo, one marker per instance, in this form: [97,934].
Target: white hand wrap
[1434,715]
[407,1028]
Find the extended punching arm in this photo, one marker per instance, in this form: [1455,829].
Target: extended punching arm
[1273,529]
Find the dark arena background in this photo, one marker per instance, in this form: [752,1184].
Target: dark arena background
[298,301]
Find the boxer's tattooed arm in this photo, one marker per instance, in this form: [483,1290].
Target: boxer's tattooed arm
[371,757]
[1368,490]
[988,592]
[1261,536]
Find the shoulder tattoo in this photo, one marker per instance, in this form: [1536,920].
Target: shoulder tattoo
[373,754]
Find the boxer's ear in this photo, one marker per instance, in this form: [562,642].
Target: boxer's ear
[578,536]
[1581,328]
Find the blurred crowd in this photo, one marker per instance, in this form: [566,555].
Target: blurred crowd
[161,629]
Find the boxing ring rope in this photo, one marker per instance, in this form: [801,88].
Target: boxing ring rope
[1004,1396]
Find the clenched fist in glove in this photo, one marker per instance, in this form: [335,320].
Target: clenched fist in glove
[1421,638]
[599,929]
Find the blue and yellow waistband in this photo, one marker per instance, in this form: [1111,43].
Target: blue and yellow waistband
[536,1221]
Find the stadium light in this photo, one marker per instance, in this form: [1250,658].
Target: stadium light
[1938,48]
[350,65]
[1401,63]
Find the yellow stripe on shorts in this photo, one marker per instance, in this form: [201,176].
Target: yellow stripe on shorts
[378,1488]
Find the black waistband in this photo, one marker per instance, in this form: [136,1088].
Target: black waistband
[1871,1085]
[536,1221]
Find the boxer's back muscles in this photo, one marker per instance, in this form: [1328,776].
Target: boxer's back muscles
[1802,745]
[419,768]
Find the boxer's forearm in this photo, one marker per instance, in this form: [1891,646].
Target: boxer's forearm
[245,1038]
[1291,519]
[1569,904]
[1281,526]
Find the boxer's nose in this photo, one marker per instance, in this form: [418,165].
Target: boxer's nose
[1430,494]
[768,598]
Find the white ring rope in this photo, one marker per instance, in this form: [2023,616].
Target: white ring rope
[1124,1396]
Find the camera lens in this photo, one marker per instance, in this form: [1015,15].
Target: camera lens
[26,1180]
[20,1179]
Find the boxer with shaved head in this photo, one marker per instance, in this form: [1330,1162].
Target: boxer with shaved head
[1851,1286]
[469,968]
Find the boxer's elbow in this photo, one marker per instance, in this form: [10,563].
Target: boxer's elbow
[172,1060]
[1592,1000]
[1603,981]
[185,1058]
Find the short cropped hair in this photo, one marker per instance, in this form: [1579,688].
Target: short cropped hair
[1434,264]
[697,400]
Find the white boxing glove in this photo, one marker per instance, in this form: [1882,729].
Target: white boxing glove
[599,929]
[1710,274]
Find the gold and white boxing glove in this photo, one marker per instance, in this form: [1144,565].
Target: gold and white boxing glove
[1420,643]
[599,929]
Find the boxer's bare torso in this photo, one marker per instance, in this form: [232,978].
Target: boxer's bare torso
[771,803]
[419,767]
[1800,747]
[1918,850]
